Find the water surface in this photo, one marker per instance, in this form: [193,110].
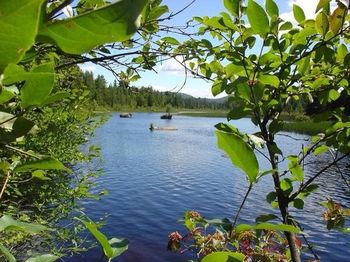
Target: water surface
[153,177]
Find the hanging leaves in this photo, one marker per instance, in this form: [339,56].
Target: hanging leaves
[19,22]
[113,23]
[337,19]
[38,82]
[258,18]
[298,13]
[240,153]
[233,6]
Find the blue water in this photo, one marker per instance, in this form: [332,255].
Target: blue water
[153,177]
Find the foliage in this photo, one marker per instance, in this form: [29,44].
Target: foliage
[265,65]
[261,242]
[45,116]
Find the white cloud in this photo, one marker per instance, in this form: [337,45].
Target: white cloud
[88,67]
[174,67]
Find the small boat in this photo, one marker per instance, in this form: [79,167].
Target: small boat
[156,128]
[167,116]
[125,115]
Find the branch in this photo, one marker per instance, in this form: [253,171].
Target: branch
[311,179]
[58,8]
[111,57]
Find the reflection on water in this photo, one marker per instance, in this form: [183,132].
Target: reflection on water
[153,177]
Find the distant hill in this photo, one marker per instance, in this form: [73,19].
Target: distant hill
[221,100]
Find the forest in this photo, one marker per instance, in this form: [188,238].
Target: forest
[265,65]
[119,96]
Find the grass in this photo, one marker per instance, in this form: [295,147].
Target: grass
[196,113]
[306,127]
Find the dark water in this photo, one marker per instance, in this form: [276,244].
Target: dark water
[153,177]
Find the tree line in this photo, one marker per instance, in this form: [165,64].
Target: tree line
[119,96]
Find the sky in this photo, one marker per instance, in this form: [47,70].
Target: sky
[170,75]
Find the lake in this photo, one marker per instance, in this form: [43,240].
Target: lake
[154,177]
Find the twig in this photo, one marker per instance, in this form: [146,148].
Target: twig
[241,207]
[13,117]
[311,179]
[21,151]
[294,138]
[309,246]
[339,170]
[8,175]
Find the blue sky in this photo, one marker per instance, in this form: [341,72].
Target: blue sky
[170,76]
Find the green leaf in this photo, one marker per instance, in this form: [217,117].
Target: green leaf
[275,126]
[21,127]
[337,18]
[19,21]
[80,34]
[44,164]
[119,246]
[271,80]
[271,197]
[295,168]
[243,227]
[170,40]
[232,6]
[215,22]
[298,203]
[100,237]
[272,8]
[286,26]
[40,174]
[333,95]
[304,65]
[224,257]
[218,87]
[232,70]
[342,51]
[38,82]
[7,254]
[321,149]
[321,4]
[322,24]
[258,18]
[286,186]
[309,190]
[5,96]
[265,218]
[299,14]
[240,153]
[157,12]
[43,258]
[215,67]
[8,223]
[55,98]
[238,113]
[279,227]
